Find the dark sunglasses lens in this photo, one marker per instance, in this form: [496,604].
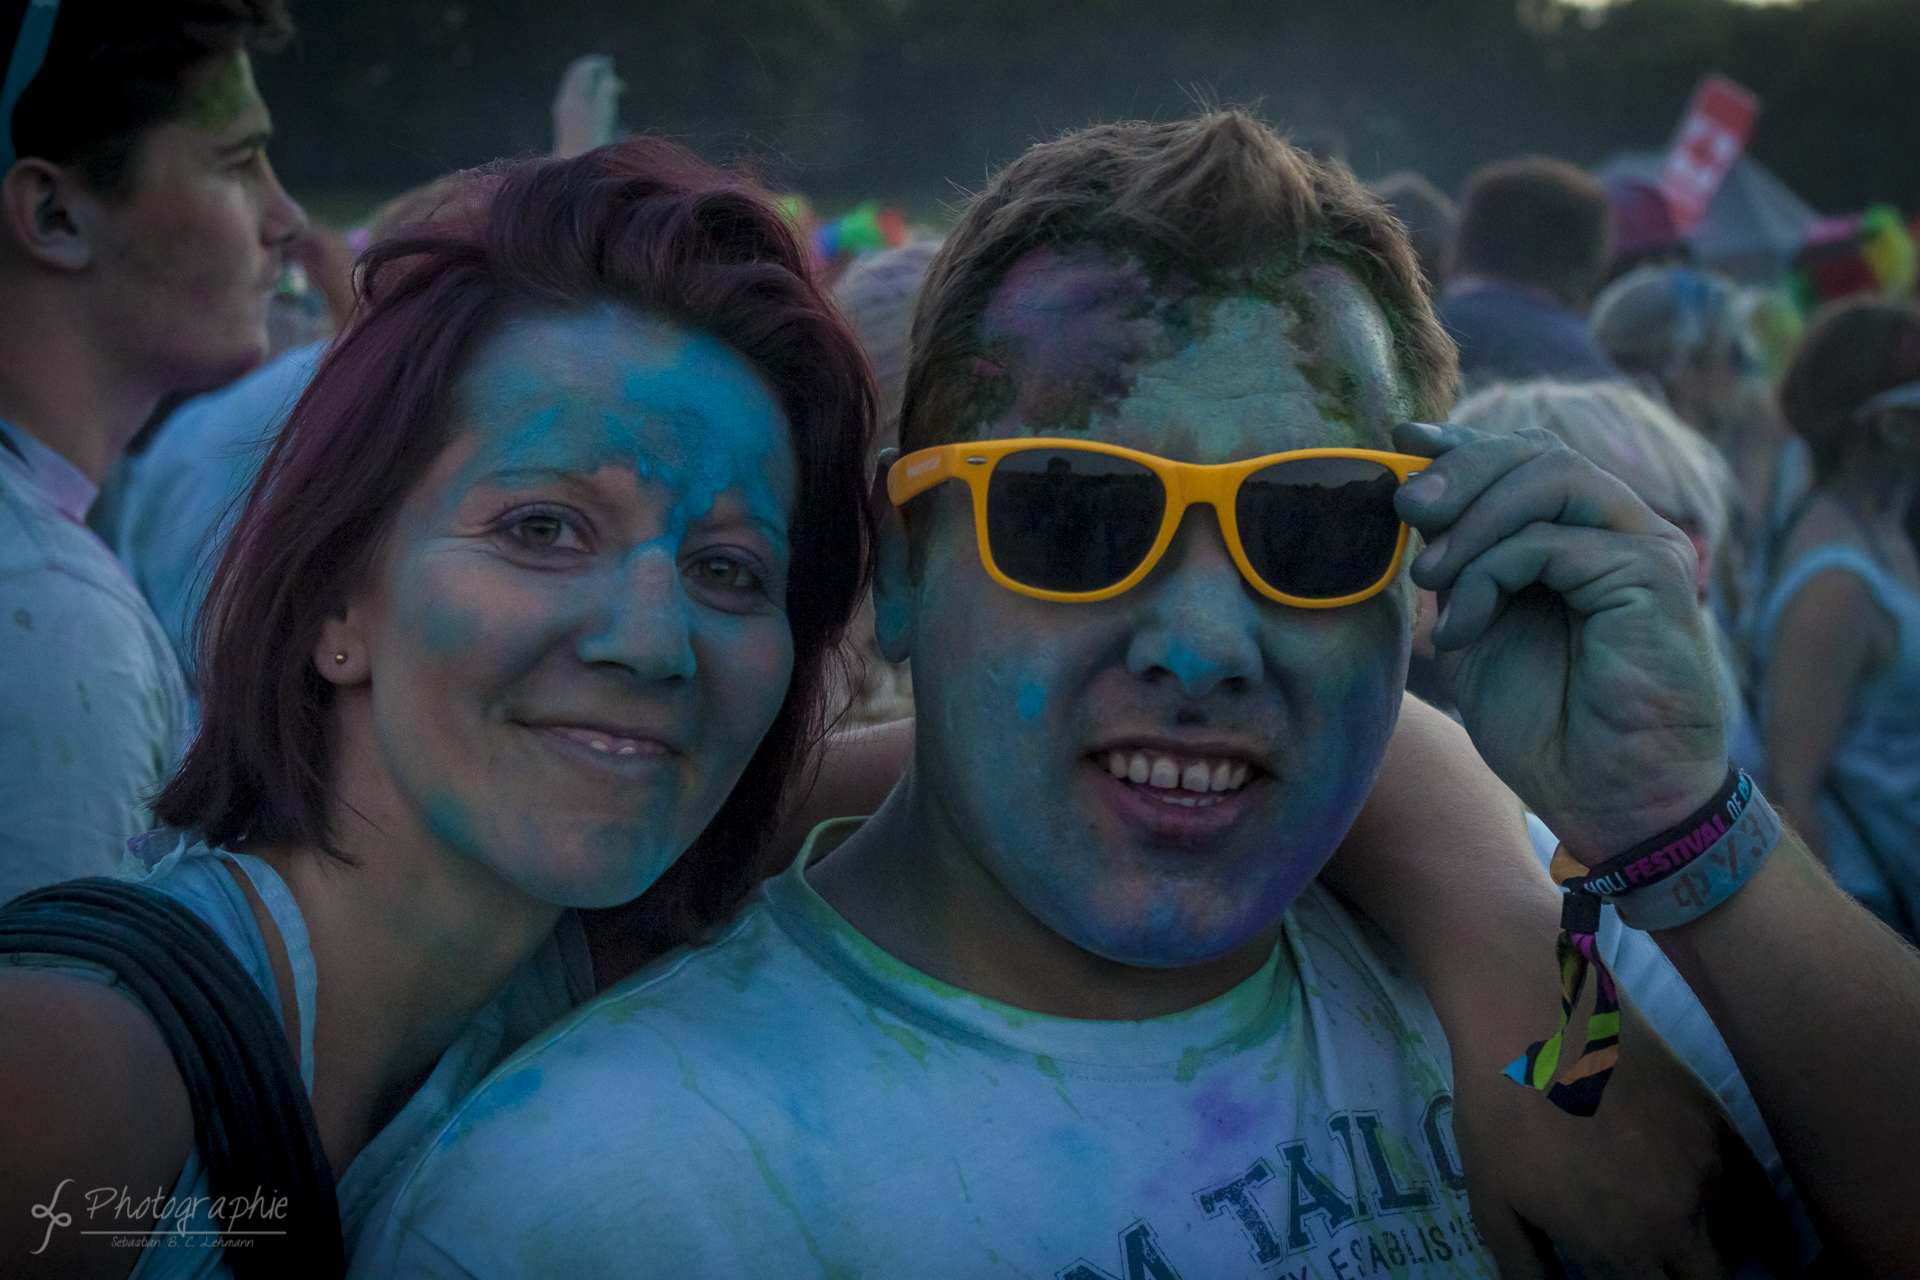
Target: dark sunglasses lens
[1069,520]
[1319,528]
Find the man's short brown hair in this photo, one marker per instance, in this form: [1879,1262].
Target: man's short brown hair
[117,68]
[1535,220]
[1203,197]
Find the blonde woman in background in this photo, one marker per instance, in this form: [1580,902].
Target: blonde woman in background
[1692,340]
[1670,466]
[877,295]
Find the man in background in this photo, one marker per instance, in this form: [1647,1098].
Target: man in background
[169,509]
[141,233]
[1428,216]
[1528,254]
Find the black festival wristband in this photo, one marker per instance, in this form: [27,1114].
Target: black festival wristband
[1664,854]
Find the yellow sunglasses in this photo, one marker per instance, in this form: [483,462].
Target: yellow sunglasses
[1076,521]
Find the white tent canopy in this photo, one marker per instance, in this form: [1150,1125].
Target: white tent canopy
[1751,230]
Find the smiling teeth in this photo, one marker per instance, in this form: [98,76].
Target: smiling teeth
[600,742]
[1165,773]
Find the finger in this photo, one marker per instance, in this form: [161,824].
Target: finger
[1556,487]
[1519,1253]
[1464,463]
[1700,1253]
[1431,439]
[1591,570]
[1696,1253]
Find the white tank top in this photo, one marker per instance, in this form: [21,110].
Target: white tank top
[554,981]
[1870,800]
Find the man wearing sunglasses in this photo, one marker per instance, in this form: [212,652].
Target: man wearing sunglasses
[1070,1003]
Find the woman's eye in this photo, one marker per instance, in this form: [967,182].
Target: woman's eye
[543,531]
[729,573]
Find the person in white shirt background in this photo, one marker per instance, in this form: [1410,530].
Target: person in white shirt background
[141,232]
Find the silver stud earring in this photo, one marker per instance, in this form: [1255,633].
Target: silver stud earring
[340,659]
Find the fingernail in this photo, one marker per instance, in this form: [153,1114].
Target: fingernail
[1440,623]
[1427,429]
[1426,487]
[1432,556]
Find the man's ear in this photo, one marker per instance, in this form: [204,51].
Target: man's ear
[892,580]
[342,655]
[49,214]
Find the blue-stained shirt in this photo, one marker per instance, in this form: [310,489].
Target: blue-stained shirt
[791,1100]
[178,500]
[92,705]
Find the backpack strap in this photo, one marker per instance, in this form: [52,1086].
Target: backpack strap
[251,1116]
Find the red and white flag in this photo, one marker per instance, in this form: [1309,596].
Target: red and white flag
[1719,120]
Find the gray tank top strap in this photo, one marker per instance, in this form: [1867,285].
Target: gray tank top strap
[185,868]
[278,900]
[1888,592]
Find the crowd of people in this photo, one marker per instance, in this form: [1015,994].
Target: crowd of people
[1793,477]
[565,732]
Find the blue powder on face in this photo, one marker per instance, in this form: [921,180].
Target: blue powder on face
[448,819]
[1194,647]
[684,412]
[448,629]
[1033,699]
[631,432]
[1187,666]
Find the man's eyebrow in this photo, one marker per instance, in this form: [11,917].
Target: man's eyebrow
[253,141]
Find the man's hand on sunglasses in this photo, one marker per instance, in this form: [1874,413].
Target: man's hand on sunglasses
[1569,632]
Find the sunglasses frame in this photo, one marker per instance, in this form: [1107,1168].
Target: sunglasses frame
[1186,483]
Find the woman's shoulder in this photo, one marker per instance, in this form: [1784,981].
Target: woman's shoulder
[1821,523]
[94,1100]
[203,879]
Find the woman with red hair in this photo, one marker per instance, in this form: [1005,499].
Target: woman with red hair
[527,612]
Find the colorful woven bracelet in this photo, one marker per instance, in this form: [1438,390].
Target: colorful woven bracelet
[1576,1089]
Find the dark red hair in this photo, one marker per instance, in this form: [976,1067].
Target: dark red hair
[643,223]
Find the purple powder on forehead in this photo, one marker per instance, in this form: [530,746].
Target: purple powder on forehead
[1066,333]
